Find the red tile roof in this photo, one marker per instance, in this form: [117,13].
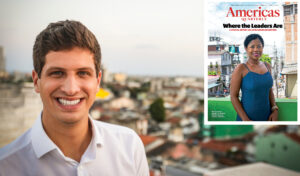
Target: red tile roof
[152,173]
[222,146]
[147,139]
[180,150]
[276,128]
[174,120]
[295,137]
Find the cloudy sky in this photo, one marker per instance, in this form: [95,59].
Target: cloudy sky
[217,12]
[139,37]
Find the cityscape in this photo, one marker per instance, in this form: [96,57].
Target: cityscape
[167,112]
[176,140]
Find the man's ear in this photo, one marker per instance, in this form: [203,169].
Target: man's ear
[99,78]
[36,79]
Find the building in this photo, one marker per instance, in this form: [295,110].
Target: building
[2,60]
[219,60]
[291,44]
[120,78]
[214,86]
[2,63]
[222,59]
[281,149]
[253,169]
[19,108]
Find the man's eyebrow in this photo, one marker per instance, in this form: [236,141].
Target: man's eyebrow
[55,68]
[61,68]
[85,68]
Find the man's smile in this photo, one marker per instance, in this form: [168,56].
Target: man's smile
[68,102]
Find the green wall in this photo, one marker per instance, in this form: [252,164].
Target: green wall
[278,149]
[222,131]
[221,109]
[229,131]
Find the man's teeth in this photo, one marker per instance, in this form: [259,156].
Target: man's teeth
[67,102]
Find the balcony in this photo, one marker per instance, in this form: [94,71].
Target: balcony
[221,109]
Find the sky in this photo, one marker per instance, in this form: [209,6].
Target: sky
[218,10]
[137,37]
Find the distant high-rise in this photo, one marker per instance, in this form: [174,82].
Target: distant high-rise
[2,60]
[291,53]
[290,25]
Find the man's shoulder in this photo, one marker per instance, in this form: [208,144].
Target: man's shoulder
[116,135]
[112,128]
[14,147]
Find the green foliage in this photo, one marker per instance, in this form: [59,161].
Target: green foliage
[145,87]
[114,88]
[134,92]
[217,65]
[265,58]
[157,110]
[211,65]
[212,73]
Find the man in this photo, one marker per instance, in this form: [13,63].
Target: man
[65,140]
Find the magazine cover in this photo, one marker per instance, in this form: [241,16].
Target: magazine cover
[251,62]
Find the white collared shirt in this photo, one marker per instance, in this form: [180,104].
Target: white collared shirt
[113,151]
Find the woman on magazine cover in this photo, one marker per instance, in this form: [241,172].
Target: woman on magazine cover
[255,81]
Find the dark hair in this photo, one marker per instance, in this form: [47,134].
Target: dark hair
[251,37]
[64,35]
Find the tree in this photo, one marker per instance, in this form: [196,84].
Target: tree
[217,66]
[210,65]
[265,58]
[145,87]
[157,110]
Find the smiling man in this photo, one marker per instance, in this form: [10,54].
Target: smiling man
[65,140]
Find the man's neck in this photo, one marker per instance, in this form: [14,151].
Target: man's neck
[72,139]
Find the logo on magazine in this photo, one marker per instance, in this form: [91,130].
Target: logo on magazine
[258,14]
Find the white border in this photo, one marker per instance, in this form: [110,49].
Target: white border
[206,122]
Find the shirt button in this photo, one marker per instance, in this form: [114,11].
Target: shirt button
[80,167]
[80,171]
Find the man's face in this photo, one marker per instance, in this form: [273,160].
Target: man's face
[68,85]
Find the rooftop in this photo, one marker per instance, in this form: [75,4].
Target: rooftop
[295,137]
[253,169]
[222,145]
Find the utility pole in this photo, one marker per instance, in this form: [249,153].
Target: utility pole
[275,68]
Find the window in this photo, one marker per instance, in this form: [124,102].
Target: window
[272,145]
[287,10]
[285,147]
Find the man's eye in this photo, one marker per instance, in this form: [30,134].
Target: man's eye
[57,73]
[83,73]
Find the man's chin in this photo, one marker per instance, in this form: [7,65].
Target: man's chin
[71,118]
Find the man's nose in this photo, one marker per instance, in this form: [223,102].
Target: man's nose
[70,86]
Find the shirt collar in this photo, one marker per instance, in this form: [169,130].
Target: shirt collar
[97,138]
[42,144]
[96,141]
